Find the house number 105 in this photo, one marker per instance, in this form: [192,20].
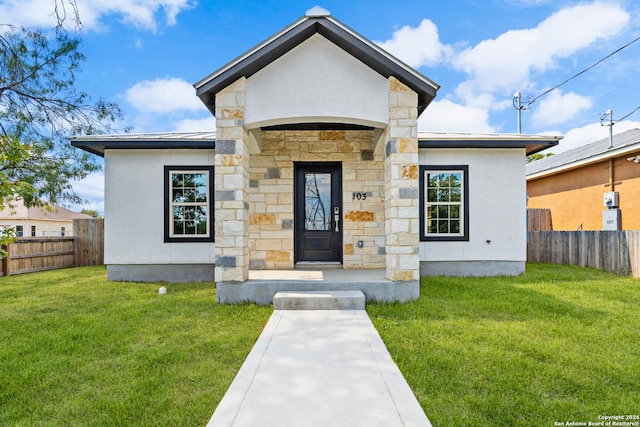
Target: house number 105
[359,196]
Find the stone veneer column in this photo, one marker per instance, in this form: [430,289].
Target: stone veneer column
[401,184]
[231,184]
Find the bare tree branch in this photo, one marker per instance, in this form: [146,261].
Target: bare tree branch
[60,12]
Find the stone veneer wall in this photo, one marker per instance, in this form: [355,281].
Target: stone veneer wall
[401,184]
[270,195]
[231,181]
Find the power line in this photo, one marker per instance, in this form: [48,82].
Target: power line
[585,70]
[637,108]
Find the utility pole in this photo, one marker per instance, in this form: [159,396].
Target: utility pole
[519,106]
[610,123]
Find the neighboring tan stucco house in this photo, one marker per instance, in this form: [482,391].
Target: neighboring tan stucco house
[44,221]
[316,161]
[588,187]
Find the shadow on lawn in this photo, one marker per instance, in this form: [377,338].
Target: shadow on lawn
[486,298]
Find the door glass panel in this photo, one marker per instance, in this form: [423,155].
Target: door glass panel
[317,201]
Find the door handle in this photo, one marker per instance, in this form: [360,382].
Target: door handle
[336,218]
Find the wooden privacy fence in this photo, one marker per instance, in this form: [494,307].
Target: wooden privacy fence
[89,241]
[617,252]
[31,254]
[539,219]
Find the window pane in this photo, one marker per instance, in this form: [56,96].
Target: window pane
[178,213]
[201,227]
[201,194]
[189,180]
[443,226]
[189,212]
[200,180]
[443,195]
[455,194]
[178,197]
[455,226]
[200,213]
[443,211]
[454,212]
[431,197]
[432,227]
[189,227]
[433,180]
[189,195]
[455,180]
[178,227]
[176,180]
[317,201]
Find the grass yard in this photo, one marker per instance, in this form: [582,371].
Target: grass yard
[558,344]
[78,350]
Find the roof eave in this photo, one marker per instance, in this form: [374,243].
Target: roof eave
[98,147]
[531,146]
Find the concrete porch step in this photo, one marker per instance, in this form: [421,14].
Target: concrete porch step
[319,300]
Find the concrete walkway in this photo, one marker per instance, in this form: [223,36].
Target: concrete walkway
[319,368]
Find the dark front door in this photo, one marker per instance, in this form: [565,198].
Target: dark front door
[318,212]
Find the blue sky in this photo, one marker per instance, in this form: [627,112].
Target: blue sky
[146,54]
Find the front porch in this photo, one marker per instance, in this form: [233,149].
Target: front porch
[264,284]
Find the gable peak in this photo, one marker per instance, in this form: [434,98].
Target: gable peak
[316,12]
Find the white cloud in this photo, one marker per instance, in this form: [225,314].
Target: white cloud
[557,108]
[590,133]
[448,116]
[146,14]
[417,46]
[163,96]
[195,125]
[506,62]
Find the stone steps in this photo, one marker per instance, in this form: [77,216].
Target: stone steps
[319,300]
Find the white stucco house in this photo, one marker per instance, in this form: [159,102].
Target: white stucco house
[316,161]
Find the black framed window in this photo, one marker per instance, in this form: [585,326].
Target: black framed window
[188,211]
[444,203]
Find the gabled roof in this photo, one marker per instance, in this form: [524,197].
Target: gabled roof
[623,143]
[20,212]
[316,21]
[532,143]
[96,144]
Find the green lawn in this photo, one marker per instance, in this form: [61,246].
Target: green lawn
[78,350]
[557,344]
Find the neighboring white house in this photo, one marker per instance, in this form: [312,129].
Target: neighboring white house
[316,160]
[39,221]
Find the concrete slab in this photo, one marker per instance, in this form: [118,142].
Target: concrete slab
[319,368]
[319,300]
[264,284]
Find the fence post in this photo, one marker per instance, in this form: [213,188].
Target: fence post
[6,261]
